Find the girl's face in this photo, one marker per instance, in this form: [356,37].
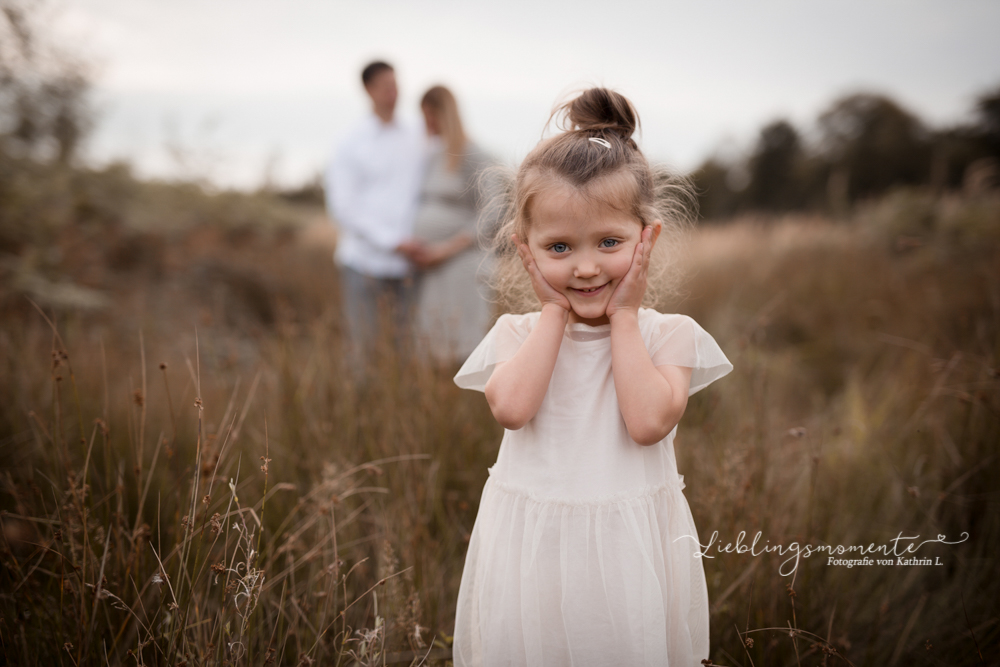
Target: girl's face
[582,249]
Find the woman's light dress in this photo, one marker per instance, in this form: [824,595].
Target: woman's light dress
[583,551]
[454,300]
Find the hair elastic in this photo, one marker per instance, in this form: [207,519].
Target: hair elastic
[598,140]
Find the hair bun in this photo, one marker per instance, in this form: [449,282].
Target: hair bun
[602,110]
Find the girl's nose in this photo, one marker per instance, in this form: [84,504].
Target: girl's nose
[586,269]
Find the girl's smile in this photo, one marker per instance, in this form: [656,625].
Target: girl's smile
[592,290]
[583,248]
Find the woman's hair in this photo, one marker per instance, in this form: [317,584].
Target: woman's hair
[441,103]
[596,155]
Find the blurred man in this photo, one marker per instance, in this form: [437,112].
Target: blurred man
[372,186]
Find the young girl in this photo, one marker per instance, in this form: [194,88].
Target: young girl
[583,552]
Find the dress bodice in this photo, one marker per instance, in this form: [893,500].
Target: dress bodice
[577,448]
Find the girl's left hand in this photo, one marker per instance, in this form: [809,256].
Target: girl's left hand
[628,295]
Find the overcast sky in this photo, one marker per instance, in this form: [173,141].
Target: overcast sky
[234,90]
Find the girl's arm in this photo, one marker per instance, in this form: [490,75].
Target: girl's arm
[517,386]
[651,398]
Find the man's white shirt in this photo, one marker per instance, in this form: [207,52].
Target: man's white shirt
[372,191]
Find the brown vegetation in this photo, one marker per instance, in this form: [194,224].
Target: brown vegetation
[189,476]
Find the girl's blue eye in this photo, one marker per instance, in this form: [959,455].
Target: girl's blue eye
[559,247]
[609,243]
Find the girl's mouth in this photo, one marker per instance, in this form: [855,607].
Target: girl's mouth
[591,291]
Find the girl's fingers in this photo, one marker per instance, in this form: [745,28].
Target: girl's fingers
[518,243]
[528,261]
[630,290]
[640,248]
[647,248]
[526,258]
[637,272]
[522,251]
[640,254]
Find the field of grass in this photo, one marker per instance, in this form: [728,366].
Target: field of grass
[189,476]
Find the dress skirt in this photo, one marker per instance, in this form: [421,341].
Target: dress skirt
[608,581]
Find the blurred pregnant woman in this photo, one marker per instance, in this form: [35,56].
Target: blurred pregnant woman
[452,236]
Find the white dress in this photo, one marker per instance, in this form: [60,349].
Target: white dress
[583,551]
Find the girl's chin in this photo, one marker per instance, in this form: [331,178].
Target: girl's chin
[590,316]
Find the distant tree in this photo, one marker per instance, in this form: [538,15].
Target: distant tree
[716,197]
[44,109]
[955,149]
[310,193]
[869,144]
[988,121]
[872,144]
[774,169]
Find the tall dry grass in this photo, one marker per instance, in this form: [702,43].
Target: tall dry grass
[863,406]
[193,477]
[139,514]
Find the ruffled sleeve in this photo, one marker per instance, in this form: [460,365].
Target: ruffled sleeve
[677,340]
[500,344]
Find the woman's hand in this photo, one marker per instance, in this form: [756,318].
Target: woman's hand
[411,249]
[628,295]
[428,255]
[546,293]
[424,255]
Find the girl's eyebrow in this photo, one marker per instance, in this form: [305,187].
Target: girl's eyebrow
[545,239]
[617,229]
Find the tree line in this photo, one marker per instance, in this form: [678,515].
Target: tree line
[865,144]
[862,145]
[45,112]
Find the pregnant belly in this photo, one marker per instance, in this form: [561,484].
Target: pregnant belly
[435,222]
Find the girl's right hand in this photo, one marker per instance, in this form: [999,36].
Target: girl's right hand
[546,293]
